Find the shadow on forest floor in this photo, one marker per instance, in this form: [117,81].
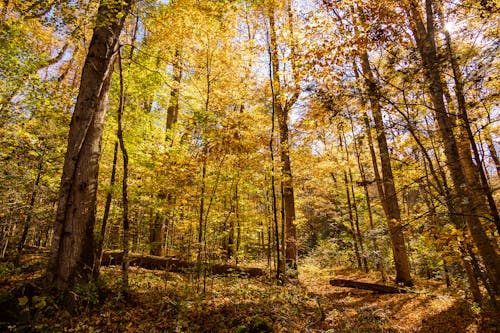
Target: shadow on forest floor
[172,302]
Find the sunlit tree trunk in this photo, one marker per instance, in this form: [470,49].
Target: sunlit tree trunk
[389,195]
[282,108]
[478,175]
[72,251]
[493,153]
[463,198]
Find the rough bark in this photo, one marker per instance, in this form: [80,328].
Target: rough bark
[72,251]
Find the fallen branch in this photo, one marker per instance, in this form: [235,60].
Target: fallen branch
[174,264]
[380,288]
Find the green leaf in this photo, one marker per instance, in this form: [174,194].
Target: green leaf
[23,300]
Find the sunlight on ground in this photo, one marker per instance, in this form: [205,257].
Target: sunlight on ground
[172,302]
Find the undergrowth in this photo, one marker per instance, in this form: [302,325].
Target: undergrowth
[170,302]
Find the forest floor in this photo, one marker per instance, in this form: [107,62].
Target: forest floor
[172,302]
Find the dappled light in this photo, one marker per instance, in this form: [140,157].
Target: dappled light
[249,166]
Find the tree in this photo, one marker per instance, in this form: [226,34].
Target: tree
[463,197]
[282,106]
[72,254]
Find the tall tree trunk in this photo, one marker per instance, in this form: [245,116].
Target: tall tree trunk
[389,197]
[482,187]
[125,239]
[282,113]
[72,250]
[275,88]
[463,198]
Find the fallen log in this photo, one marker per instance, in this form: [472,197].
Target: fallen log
[174,264]
[380,288]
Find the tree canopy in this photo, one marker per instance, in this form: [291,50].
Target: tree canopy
[359,134]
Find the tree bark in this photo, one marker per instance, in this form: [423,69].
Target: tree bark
[380,288]
[389,197]
[463,198]
[107,208]
[493,153]
[282,113]
[173,104]
[272,80]
[126,227]
[72,251]
[482,186]
[351,222]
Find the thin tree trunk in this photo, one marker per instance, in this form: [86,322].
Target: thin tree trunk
[493,153]
[29,215]
[356,223]
[282,113]
[238,223]
[202,211]
[107,207]
[125,239]
[351,222]
[280,271]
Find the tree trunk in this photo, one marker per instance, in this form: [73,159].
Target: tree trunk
[107,207]
[380,288]
[389,198]
[29,215]
[482,187]
[493,153]
[158,238]
[463,198]
[282,112]
[351,222]
[173,104]
[72,251]
[173,264]
[125,239]
[356,224]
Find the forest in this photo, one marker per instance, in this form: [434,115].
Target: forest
[249,166]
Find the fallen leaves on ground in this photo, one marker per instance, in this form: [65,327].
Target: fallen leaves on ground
[170,302]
